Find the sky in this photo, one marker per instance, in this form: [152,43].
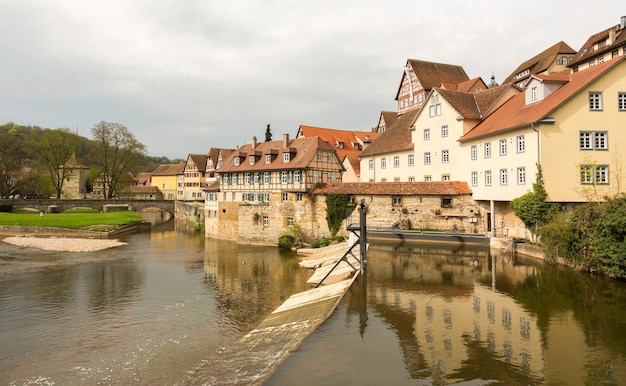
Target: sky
[188,75]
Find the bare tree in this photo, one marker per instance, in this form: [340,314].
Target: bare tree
[54,148]
[118,150]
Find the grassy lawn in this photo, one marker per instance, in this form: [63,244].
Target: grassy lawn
[71,220]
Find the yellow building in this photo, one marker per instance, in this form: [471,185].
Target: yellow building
[165,177]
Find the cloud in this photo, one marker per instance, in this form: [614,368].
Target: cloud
[185,76]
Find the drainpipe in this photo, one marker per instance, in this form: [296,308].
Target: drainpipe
[493,218]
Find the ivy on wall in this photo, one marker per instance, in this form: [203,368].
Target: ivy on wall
[338,207]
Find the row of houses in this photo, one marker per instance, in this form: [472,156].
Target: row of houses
[452,157]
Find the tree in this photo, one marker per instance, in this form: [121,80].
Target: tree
[53,149]
[268,134]
[118,151]
[532,207]
[13,160]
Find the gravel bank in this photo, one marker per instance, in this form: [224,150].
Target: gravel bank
[63,244]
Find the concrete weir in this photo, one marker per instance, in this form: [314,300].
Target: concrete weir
[254,357]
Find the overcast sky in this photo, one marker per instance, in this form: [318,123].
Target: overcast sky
[185,76]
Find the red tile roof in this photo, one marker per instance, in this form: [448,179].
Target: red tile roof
[443,188]
[303,150]
[431,74]
[397,136]
[540,62]
[169,170]
[336,137]
[587,51]
[516,114]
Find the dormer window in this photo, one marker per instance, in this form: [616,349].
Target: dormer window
[236,161]
[286,157]
[252,159]
[268,158]
[340,145]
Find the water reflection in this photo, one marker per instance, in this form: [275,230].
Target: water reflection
[148,312]
[467,316]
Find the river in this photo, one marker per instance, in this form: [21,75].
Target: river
[156,310]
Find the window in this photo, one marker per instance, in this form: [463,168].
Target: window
[504,178]
[234,180]
[445,156]
[428,178]
[602,174]
[474,152]
[319,156]
[533,94]
[284,177]
[329,157]
[521,143]
[371,164]
[411,159]
[396,200]
[286,157]
[411,179]
[236,160]
[267,177]
[426,134]
[445,177]
[595,101]
[427,158]
[252,160]
[594,174]
[266,221]
[396,179]
[299,197]
[503,147]
[383,163]
[435,107]
[474,178]
[444,130]
[289,221]
[593,140]
[621,101]
[297,177]
[246,179]
[284,196]
[446,202]
[487,149]
[521,176]
[487,177]
[396,161]
[268,158]
[257,178]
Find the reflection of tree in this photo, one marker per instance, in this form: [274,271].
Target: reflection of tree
[112,284]
[599,304]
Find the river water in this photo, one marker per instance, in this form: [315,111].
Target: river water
[158,309]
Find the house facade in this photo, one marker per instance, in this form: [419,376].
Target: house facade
[264,189]
[194,178]
[165,177]
[551,61]
[567,124]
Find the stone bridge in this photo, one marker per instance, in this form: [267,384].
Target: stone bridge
[43,204]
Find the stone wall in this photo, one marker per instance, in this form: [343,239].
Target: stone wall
[264,223]
[190,211]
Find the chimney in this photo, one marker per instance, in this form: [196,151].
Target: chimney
[622,23]
[253,143]
[285,140]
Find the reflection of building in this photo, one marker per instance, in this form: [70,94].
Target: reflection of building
[453,314]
